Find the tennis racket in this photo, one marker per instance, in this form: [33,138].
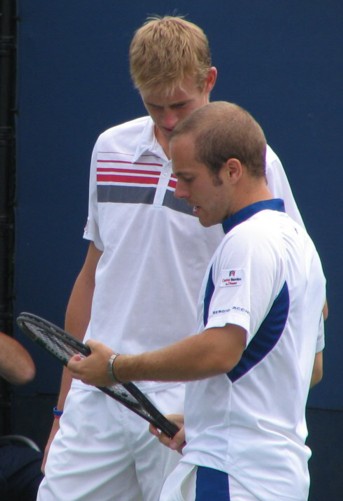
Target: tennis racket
[63,346]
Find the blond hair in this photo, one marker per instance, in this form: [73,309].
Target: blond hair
[165,51]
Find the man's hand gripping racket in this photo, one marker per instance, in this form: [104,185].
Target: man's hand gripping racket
[64,346]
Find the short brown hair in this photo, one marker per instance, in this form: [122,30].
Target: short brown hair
[224,130]
[166,50]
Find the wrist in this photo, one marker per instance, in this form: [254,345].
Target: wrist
[111,368]
[57,413]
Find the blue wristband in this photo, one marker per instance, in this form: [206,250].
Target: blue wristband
[57,413]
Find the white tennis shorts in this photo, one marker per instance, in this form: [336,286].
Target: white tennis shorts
[104,452]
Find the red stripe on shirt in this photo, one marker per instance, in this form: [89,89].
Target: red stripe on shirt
[126,179]
[127,171]
[129,163]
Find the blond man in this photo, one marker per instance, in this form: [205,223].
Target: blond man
[138,286]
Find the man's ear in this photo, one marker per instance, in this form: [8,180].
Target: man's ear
[232,170]
[210,79]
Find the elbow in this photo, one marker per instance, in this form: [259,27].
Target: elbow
[225,364]
[30,373]
[25,376]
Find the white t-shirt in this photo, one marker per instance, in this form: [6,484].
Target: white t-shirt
[266,277]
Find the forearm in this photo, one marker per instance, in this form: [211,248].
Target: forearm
[16,364]
[212,352]
[77,318]
[190,359]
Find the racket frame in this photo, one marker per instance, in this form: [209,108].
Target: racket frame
[144,407]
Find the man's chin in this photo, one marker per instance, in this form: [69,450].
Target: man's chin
[205,222]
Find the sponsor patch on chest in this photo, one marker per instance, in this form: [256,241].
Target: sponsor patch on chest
[231,278]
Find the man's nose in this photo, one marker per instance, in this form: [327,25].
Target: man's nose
[181,190]
[170,119]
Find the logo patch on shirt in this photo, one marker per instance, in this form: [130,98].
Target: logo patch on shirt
[231,278]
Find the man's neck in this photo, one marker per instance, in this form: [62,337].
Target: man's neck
[256,191]
[162,140]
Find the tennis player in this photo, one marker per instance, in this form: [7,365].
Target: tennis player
[249,369]
[138,287]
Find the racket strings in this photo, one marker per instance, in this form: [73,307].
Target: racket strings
[63,346]
[56,344]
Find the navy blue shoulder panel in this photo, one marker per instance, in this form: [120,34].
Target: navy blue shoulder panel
[266,337]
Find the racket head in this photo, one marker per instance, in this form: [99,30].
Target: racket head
[51,337]
[63,346]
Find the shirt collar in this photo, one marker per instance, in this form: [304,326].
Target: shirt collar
[148,142]
[249,211]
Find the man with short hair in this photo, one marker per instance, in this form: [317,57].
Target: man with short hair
[249,368]
[138,286]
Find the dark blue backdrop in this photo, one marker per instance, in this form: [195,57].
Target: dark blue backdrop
[281,59]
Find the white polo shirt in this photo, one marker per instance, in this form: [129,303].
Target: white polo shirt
[266,277]
[155,252]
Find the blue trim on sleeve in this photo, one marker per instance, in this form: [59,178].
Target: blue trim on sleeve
[208,296]
[266,337]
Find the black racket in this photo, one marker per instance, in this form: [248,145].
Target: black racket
[63,346]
